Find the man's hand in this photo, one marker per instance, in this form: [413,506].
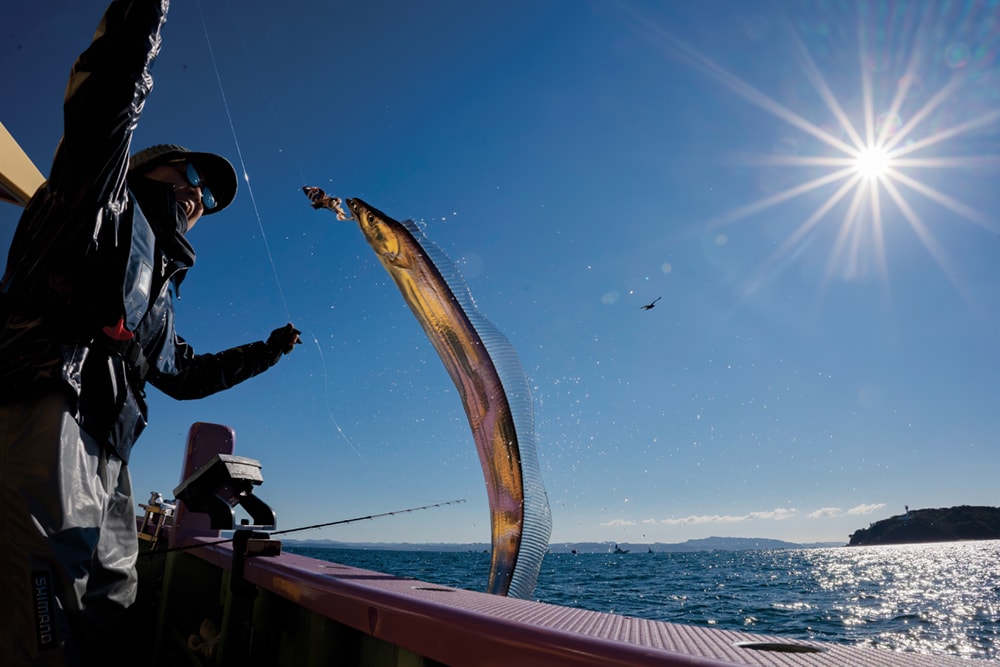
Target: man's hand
[282,341]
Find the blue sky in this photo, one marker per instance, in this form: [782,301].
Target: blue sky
[813,365]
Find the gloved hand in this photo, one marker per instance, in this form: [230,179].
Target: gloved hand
[282,341]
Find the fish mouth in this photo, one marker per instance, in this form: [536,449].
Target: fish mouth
[357,207]
[369,217]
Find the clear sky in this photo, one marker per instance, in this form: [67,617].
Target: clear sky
[825,349]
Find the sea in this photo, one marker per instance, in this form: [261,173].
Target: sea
[939,598]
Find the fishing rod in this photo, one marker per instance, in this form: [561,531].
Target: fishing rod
[366,518]
[339,522]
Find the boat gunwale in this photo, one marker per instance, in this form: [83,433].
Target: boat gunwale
[456,626]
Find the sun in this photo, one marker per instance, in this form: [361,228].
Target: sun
[871,167]
[873,163]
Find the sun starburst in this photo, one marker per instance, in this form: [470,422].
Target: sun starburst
[867,160]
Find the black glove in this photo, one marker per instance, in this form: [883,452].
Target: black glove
[282,341]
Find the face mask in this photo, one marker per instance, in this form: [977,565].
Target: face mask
[159,206]
[166,218]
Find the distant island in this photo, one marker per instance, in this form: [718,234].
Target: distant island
[932,525]
[635,549]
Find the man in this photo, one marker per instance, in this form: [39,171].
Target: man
[86,320]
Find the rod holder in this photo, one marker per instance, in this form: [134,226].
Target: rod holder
[220,485]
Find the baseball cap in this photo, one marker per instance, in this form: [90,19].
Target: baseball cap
[217,171]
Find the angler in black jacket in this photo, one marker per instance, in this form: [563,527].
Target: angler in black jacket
[86,320]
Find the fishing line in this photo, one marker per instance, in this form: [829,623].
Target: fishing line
[326,391]
[253,200]
[260,84]
[243,166]
[339,522]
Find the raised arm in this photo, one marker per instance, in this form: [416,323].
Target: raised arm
[107,89]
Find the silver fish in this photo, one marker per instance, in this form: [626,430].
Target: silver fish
[494,390]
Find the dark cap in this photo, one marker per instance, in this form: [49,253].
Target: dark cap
[217,171]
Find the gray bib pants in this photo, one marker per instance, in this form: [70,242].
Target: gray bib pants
[68,541]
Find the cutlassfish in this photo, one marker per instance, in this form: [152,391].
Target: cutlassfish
[488,376]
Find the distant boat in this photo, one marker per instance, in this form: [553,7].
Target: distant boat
[619,550]
[649,550]
[574,552]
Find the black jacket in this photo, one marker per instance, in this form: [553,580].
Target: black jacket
[85,301]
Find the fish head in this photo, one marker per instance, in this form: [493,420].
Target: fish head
[386,236]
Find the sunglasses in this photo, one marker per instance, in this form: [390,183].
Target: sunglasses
[194,178]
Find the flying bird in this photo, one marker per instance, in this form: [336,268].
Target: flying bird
[651,304]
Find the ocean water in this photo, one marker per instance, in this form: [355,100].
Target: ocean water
[928,598]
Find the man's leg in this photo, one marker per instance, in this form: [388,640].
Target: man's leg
[112,586]
[51,508]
